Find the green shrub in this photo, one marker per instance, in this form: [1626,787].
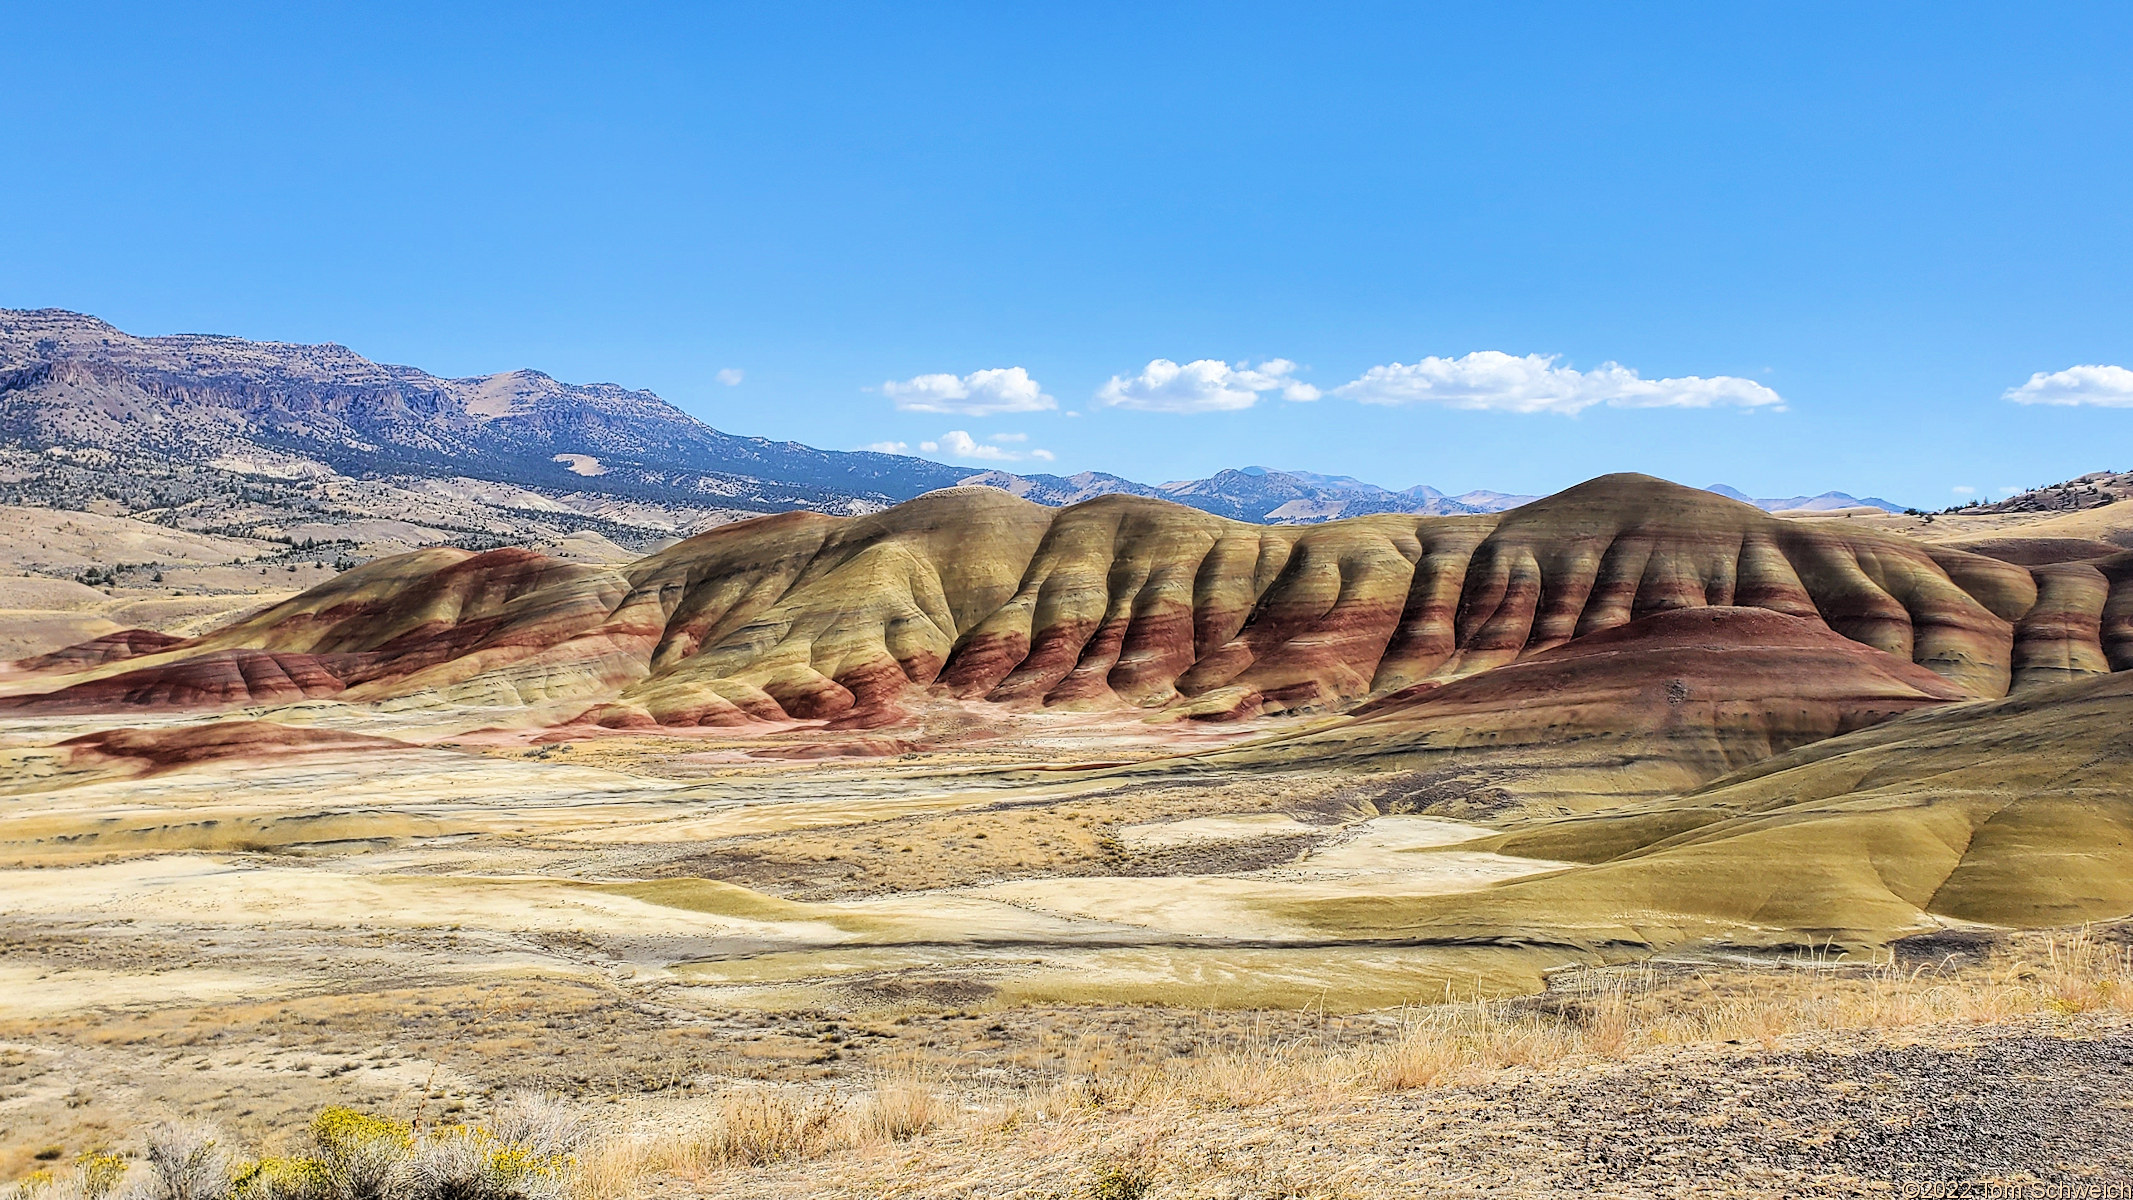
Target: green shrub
[280,1179]
[357,1154]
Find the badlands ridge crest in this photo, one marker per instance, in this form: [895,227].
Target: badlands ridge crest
[1120,603]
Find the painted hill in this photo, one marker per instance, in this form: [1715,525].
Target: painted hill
[1662,704]
[2011,813]
[1121,602]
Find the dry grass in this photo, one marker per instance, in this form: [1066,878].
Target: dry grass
[1592,1016]
[1618,1013]
[757,1126]
[1611,1014]
[903,1106]
[760,1126]
[1117,1106]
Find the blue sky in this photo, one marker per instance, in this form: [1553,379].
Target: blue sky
[1827,239]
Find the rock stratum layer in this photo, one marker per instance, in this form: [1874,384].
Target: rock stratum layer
[1662,704]
[974,595]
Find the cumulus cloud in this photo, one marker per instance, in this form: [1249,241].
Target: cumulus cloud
[1493,380]
[957,443]
[978,394]
[887,447]
[1204,385]
[2110,387]
[730,376]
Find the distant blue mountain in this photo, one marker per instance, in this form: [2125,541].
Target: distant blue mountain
[1826,502]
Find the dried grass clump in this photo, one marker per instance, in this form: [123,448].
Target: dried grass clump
[619,1168]
[758,1126]
[2083,973]
[1435,1049]
[902,1107]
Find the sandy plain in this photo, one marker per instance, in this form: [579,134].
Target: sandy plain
[346,893]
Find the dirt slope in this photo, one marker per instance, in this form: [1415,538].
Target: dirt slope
[2012,812]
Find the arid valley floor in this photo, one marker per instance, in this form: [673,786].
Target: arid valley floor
[1688,850]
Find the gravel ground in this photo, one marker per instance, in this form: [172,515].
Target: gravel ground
[2032,1106]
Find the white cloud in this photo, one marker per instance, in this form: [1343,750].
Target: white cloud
[1962,489]
[2008,489]
[957,443]
[2110,387]
[1010,437]
[978,394]
[887,447]
[730,376]
[1204,385]
[1493,380]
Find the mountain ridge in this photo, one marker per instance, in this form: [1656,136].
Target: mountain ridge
[1825,502]
[194,398]
[1255,494]
[90,412]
